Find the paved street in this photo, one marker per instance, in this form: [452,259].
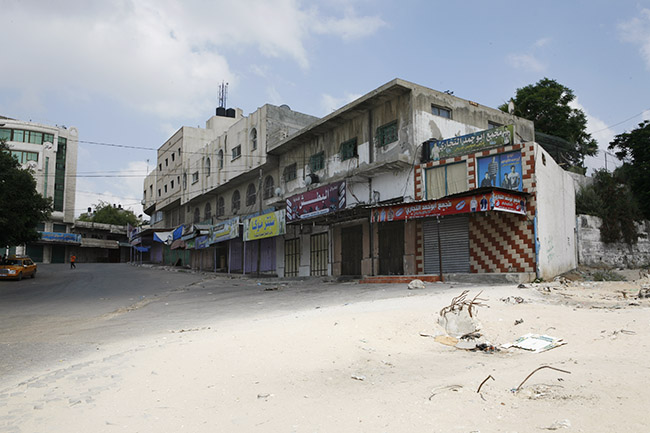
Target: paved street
[63,314]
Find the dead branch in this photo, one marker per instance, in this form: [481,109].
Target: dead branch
[537,369]
[485,380]
[461,301]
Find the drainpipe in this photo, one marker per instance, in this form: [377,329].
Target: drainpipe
[439,250]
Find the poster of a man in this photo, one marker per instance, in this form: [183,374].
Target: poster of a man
[493,170]
[513,178]
[486,182]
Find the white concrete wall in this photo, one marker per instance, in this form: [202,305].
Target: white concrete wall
[593,252]
[555,216]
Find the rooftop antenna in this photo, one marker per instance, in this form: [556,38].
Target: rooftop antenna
[223,94]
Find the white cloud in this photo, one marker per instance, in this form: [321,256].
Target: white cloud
[637,30]
[600,131]
[542,42]
[526,61]
[331,103]
[155,56]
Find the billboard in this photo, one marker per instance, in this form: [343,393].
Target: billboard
[470,143]
[503,170]
[318,201]
[265,226]
[65,238]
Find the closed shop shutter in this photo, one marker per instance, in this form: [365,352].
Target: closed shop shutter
[454,244]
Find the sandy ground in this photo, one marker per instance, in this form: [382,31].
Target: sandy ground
[364,367]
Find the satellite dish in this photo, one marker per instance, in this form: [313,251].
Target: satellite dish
[278,192]
[48,145]
[32,165]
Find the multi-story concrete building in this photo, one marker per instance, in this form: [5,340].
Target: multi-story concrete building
[51,153]
[405,180]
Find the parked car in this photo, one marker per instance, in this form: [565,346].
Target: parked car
[17,267]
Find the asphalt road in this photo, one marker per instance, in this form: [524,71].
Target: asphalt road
[65,313]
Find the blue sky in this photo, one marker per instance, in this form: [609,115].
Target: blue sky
[132,72]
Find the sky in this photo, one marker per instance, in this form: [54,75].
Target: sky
[130,73]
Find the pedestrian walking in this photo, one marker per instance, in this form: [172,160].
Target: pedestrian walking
[73,259]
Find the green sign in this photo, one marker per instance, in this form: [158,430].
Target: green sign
[470,143]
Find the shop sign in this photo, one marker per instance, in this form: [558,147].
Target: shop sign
[65,238]
[507,202]
[503,170]
[319,201]
[225,231]
[470,143]
[495,200]
[265,226]
[201,242]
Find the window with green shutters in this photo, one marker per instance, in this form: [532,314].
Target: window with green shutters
[317,161]
[349,149]
[387,133]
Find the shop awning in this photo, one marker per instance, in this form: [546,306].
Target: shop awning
[178,244]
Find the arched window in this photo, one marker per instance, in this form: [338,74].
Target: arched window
[235,201]
[253,139]
[220,159]
[208,211]
[268,187]
[207,166]
[221,207]
[251,197]
[197,215]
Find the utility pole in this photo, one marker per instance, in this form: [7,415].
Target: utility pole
[259,241]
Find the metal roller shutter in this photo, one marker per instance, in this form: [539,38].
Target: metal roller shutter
[454,240]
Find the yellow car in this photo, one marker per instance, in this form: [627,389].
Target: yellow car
[17,267]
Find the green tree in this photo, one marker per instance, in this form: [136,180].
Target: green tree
[633,148]
[106,213]
[611,199]
[21,206]
[559,128]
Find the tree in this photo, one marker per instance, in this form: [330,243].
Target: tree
[21,206]
[560,129]
[610,198]
[106,213]
[633,148]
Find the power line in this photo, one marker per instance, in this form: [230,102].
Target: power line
[622,121]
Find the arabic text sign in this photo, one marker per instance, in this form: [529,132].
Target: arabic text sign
[318,201]
[68,238]
[225,231]
[201,242]
[470,143]
[497,200]
[265,226]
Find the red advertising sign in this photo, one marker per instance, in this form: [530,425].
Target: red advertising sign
[318,201]
[495,200]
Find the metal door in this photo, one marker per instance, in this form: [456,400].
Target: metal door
[291,257]
[351,250]
[454,244]
[58,254]
[318,254]
[391,248]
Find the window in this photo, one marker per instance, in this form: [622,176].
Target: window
[208,211]
[158,192]
[195,177]
[159,167]
[184,180]
[166,162]
[253,139]
[220,159]
[492,125]
[48,138]
[289,172]
[268,187]
[235,201]
[221,207]
[165,189]
[22,157]
[236,152]
[5,134]
[349,149]
[387,133]
[317,161]
[35,137]
[207,167]
[172,184]
[144,194]
[446,180]
[441,111]
[173,156]
[251,197]
[197,215]
[151,190]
